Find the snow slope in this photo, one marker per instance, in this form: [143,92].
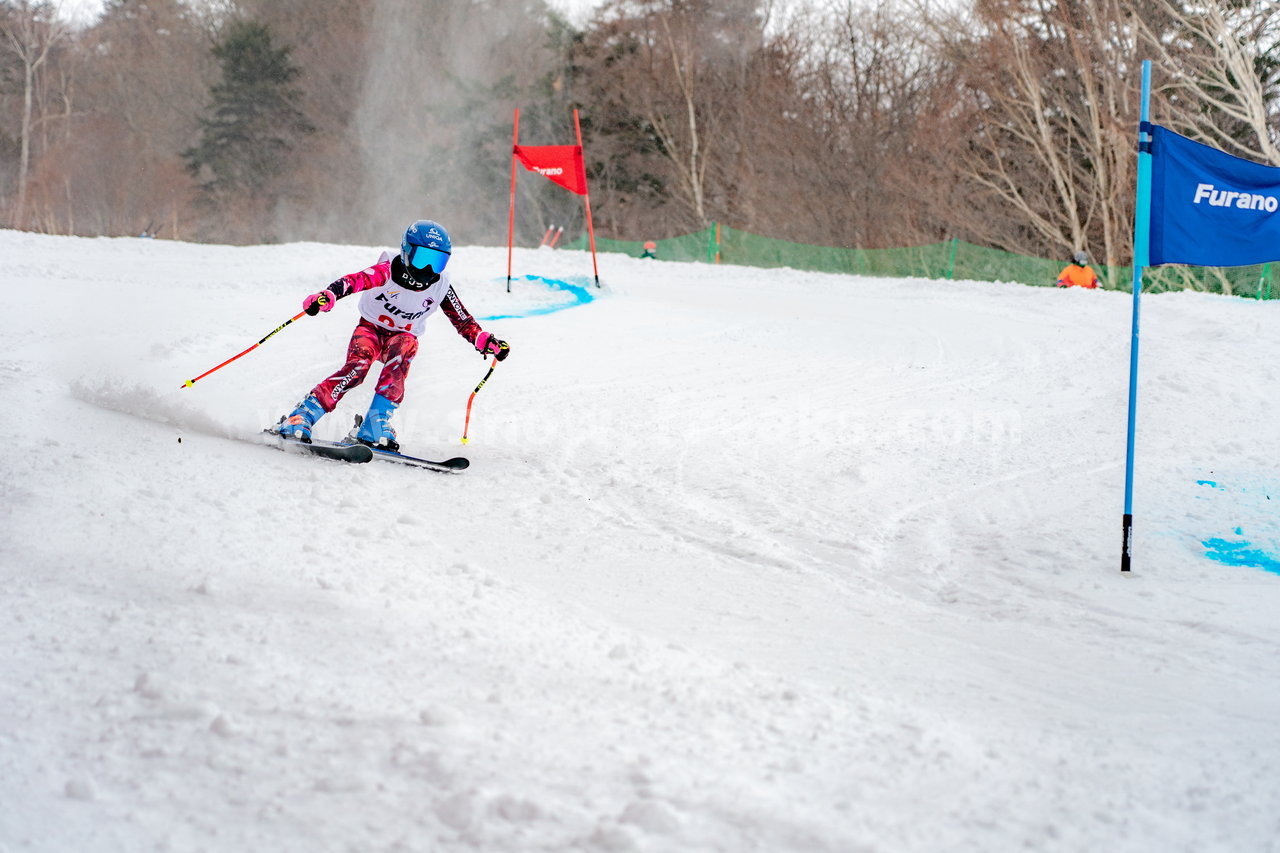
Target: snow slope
[745,561]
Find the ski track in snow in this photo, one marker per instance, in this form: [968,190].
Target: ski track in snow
[746,560]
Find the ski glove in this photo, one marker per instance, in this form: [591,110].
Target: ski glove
[487,344]
[317,302]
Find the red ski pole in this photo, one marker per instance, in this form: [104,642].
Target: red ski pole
[467,425]
[191,382]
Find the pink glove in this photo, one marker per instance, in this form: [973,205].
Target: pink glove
[317,302]
[487,344]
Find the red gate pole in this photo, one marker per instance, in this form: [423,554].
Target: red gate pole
[586,198]
[511,214]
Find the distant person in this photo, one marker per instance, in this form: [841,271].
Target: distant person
[400,293]
[650,250]
[1078,273]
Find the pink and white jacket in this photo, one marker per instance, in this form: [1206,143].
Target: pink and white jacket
[389,306]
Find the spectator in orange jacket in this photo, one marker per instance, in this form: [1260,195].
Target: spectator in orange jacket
[1078,273]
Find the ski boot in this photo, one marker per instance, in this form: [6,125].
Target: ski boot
[375,430]
[299,422]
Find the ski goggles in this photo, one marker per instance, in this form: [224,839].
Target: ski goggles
[421,257]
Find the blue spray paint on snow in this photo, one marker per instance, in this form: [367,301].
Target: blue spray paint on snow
[581,294]
[1239,551]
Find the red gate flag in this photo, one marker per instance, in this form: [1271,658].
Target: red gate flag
[559,163]
[562,164]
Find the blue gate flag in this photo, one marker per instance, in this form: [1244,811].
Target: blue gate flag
[1209,208]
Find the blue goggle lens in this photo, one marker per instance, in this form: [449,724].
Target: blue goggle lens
[421,257]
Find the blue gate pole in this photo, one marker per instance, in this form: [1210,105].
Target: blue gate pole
[1141,255]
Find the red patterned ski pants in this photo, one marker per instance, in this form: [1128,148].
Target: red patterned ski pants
[369,343]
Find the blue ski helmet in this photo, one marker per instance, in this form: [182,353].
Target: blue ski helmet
[425,251]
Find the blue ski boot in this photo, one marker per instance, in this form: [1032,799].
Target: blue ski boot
[300,421]
[375,430]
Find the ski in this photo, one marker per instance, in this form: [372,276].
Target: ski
[456,465]
[319,447]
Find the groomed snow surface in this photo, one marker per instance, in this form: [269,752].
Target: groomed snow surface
[746,560]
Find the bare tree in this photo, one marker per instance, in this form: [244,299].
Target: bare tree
[1049,101]
[1220,67]
[30,30]
[873,78]
[144,67]
[672,74]
[867,123]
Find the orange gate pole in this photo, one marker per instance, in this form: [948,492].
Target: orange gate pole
[511,213]
[586,199]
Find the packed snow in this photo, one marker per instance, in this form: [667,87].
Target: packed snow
[746,560]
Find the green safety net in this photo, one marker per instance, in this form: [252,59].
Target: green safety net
[953,259]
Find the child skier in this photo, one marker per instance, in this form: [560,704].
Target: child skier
[399,294]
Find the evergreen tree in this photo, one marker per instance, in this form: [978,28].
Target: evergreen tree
[256,115]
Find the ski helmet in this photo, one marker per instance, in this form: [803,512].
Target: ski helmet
[1080,258]
[425,251]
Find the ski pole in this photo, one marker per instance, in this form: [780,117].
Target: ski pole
[467,425]
[191,382]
